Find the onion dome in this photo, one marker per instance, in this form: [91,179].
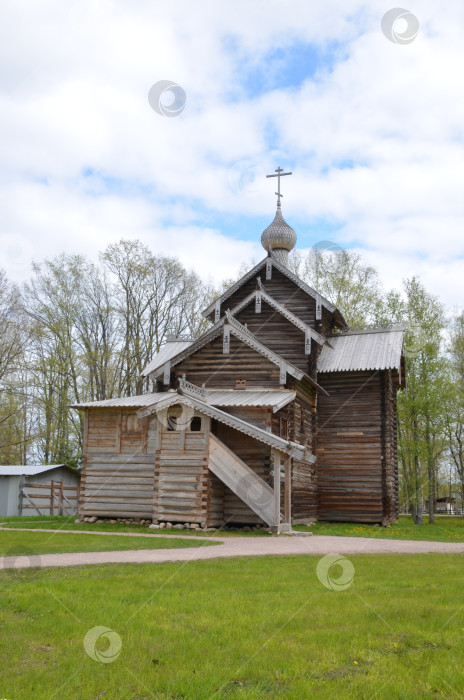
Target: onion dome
[279,238]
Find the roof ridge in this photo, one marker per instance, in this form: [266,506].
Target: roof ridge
[370,329]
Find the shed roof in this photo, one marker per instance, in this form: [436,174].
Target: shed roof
[172,398]
[19,470]
[216,397]
[127,402]
[250,397]
[363,350]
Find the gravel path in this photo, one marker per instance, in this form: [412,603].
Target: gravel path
[234,547]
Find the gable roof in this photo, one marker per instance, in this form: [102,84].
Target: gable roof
[363,350]
[170,349]
[285,271]
[173,398]
[241,332]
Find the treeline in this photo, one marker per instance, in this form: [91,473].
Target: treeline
[431,408]
[79,331]
[84,332]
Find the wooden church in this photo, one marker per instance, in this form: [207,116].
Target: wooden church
[278,414]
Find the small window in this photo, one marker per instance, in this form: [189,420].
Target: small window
[284,428]
[302,421]
[195,424]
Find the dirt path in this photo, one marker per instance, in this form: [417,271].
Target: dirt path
[234,547]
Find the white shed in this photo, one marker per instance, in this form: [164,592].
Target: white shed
[38,490]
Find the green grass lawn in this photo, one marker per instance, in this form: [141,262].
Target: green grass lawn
[446,529]
[15,543]
[241,628]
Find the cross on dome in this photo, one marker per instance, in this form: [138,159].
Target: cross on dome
[280,173]
[279,238]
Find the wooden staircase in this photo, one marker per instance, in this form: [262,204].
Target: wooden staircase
[243,481]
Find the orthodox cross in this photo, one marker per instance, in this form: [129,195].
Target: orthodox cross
[279,173]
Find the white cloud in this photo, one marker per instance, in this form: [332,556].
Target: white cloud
[376,144]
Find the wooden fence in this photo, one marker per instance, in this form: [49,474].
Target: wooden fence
[48,499]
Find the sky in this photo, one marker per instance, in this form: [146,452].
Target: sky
[370,122]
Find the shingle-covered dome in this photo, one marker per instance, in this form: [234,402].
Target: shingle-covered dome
[279,238]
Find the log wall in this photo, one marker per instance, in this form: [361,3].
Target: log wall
[389,447]
[118,465]
[210,366]
[181,493]
[276,333]
[349,447]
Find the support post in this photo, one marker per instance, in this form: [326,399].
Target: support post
[20,497]
[276,527]
[288,491]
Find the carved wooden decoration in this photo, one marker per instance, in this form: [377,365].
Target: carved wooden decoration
[167,373]
[283,373]
[258,302]
[307,343]
[226,340]
[268,269]
[318,308]
[217,311]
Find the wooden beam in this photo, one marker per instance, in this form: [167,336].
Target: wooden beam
[217,310]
